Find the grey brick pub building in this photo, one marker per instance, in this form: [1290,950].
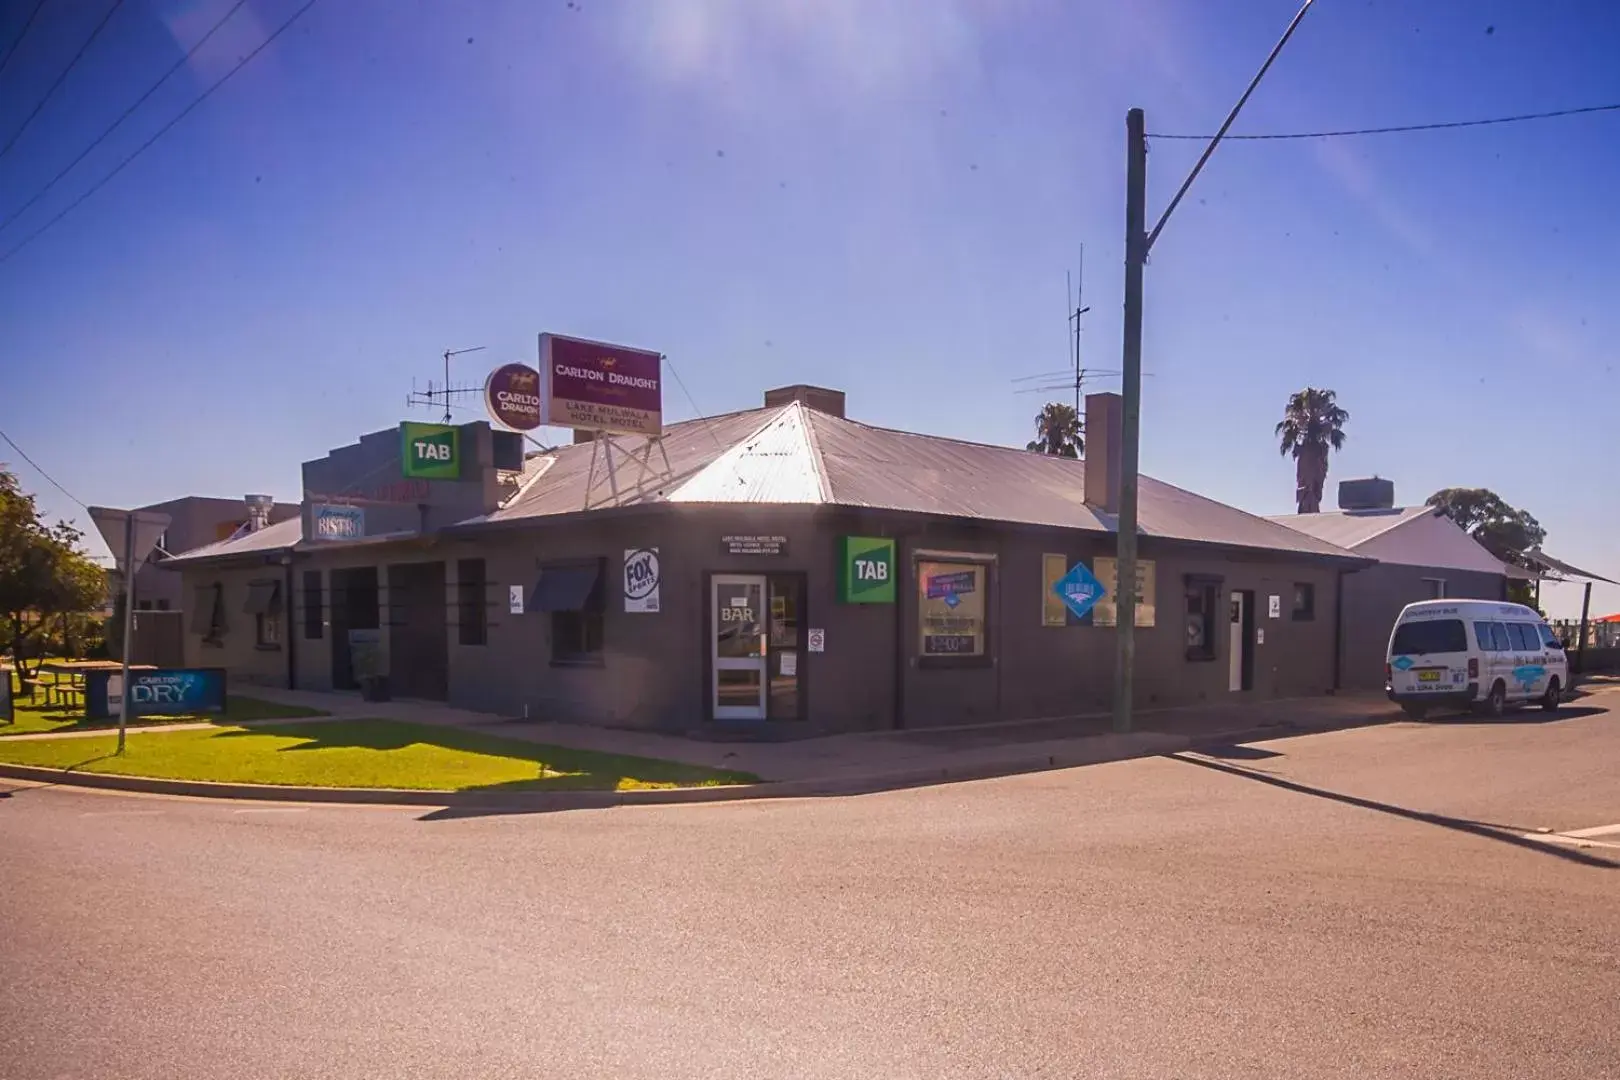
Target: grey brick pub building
[782,568]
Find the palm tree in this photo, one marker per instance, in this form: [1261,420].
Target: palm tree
[1312,425]
[1058,431]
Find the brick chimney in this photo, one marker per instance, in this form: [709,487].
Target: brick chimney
[1104,417]
[818,398]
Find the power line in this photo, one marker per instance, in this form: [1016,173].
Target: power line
[4,150]
[125,115]
[690,400]
[240,64]
[1441,126]
[16,41]
[24,455]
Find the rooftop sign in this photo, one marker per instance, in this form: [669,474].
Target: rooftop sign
[512,396]
[430,451]
[594,386]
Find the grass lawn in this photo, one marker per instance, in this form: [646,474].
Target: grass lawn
[364,753]
[32,719]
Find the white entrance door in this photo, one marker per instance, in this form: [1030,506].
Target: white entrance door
[739,649]
[1235,645]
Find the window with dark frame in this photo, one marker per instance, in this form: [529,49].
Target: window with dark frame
[1200,620]
[208,613]
[264,603]
[314,606]
[574,597]
[472,602]
[1304,601]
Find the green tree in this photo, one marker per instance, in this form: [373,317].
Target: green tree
[1058,431]
[44,576]
[1311,427]
[1501,528]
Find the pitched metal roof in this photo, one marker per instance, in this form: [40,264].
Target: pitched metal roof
[792,454]
[1351,528]
[276,537]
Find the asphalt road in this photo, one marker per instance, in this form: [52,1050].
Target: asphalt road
[1356,904]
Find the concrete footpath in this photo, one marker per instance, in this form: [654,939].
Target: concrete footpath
[828,765]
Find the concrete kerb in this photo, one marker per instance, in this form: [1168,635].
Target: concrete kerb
[1145,744]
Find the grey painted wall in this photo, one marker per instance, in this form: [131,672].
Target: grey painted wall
[654,672]
[1374,597]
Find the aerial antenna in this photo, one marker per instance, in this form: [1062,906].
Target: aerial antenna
[433,396]
[1074,376]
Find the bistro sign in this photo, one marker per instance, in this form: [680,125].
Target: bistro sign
[512,396]
[337,522]
[593,386]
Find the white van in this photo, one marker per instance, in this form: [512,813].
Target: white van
[1473,654]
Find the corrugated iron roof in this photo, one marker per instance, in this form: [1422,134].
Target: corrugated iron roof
[879,467]
[793,454]
[1351,528]
[282,534]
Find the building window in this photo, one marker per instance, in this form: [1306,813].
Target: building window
[163,605]
[1304,601]
[1201,617]
[314,606]
[571,594]
[264,604]
[472,612]
[1053,610]
[1434,588]
[208,613]
[952,602]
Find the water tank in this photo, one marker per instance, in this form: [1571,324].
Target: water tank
[1370,494]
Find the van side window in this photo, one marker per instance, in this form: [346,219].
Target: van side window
[1516,639]
[1482,634]
[1550,639]
[1499,637]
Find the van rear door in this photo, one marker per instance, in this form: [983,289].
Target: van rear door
[1429,656]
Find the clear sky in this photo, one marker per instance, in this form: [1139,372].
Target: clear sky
[877,195]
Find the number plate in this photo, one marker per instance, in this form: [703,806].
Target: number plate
[1428,676]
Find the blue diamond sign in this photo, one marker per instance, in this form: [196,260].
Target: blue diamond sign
[1402,663]
[1079,590]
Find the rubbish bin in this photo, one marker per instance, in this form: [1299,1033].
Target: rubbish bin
[374,688]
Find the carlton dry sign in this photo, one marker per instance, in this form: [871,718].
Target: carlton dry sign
[430,451]
[512,396]
[593,386]
[156,692]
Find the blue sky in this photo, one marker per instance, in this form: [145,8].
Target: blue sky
[877,195]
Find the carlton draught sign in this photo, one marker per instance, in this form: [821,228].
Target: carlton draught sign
[593,386]
[512,395]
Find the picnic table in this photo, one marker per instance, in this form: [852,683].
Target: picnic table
[72,692]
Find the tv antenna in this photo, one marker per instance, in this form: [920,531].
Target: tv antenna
[434,395]
[1074,376]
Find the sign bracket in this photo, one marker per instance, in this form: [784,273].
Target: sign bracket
[603,449]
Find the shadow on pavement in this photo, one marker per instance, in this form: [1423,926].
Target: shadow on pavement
[1504,834]
[1518,716]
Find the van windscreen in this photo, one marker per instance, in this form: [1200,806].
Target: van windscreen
[1438,636]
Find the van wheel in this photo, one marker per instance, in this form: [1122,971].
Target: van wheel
[1495,702]
[1553,697]
[1416,712]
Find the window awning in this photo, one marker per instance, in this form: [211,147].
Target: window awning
[566,586]
[264,597]
[203,598]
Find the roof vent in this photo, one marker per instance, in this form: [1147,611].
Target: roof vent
[818,398]
[1369,494]
[258,511]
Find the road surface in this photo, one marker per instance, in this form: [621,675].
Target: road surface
[1364,903]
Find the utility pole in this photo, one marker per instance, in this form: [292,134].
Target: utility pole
[129,627]
[1138,242]
[1131,426]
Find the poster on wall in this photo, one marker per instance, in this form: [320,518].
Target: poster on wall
[514,599]
[951,608]
[643,580]
[1274,606]
[1106,613]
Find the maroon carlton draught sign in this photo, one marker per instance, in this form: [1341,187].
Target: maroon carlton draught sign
[593,386]
[512,395]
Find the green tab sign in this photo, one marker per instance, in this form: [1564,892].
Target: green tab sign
[866,570]
[430,451]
